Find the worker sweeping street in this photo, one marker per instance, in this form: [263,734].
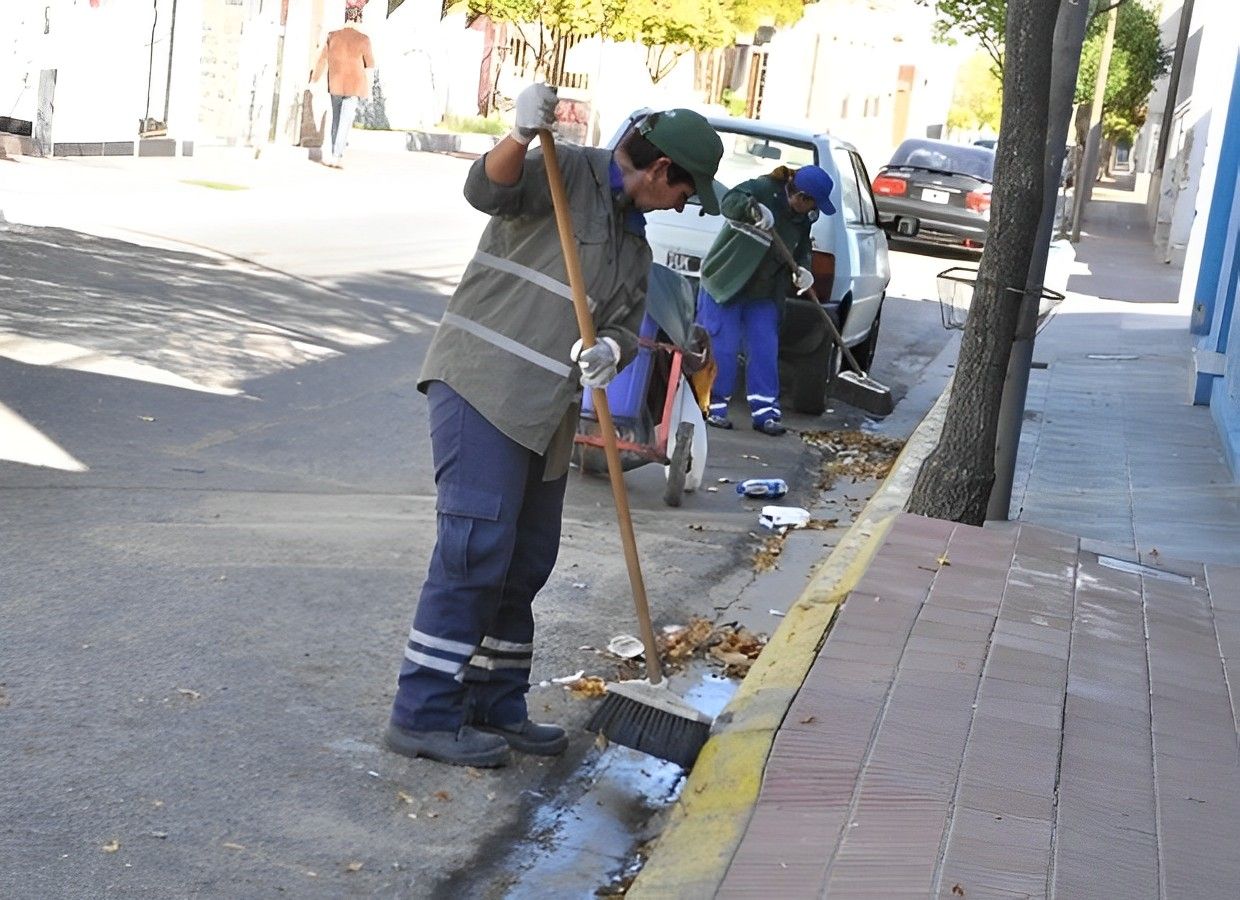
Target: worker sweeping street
[744,283]
[503,379]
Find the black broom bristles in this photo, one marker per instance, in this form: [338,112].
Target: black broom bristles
[862,392]
[675,735]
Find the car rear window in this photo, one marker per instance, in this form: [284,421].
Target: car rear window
[943,157]
[747,156]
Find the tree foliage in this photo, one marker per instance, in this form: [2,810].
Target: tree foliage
[670,28]
[977,101]
[979,20]
[1137,59]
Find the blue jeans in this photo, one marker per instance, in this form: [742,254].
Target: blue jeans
[751,325]
[344,111]
[469,650]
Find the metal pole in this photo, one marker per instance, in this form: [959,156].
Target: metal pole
[1069,36]
[1084,185]
[172,31]
[1173,84]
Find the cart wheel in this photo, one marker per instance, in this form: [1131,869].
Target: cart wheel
[679,466]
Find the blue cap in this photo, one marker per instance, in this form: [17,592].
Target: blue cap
[814,181]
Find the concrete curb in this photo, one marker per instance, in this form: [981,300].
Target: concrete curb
[707,823]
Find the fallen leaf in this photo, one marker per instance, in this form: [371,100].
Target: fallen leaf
[809,721]
[943,560]
[442,796]
[111,846]
[403,797]
[193,695]
[353,867]
[569,679]
[957,890]
[472,772]
[590,686]
[231,846]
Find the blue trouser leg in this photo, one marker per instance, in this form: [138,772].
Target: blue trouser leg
[723,323]
[473,628]
[760,325]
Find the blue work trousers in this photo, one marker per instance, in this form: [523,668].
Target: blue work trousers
[752,326]
[469,650]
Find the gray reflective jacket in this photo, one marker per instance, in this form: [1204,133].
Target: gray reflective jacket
[504,341]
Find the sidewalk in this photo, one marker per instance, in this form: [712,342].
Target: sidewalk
[1037,707]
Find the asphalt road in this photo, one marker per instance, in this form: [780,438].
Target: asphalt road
[217,505]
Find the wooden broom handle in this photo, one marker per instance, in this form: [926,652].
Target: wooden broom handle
[585,323]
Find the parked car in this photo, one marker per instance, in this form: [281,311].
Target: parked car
[850,261]
[944,186]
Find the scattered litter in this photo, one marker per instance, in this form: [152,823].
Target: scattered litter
[162,835]
[767,554]
[372,773]
[712,490]
[777,612]
[569,679]
[442,796]
[588,687]
[853,454]
[111,846]
[353,867]
[733,647]
[781,518]
[750,456]
[943,560]
[193,695]
[774,488]
[231,846]
[579,585]
[1113,356]
[725,480]
[147,418]
[624,645]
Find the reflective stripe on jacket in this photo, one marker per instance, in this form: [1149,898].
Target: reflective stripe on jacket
[504,342]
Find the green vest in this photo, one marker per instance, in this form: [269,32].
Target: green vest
[740,263]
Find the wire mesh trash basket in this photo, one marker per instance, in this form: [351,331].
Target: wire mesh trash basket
[956,295]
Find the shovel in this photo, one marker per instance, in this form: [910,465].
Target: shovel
[855,388]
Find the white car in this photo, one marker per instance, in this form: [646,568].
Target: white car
[850,265]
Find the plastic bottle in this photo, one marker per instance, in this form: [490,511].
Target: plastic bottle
[763,487]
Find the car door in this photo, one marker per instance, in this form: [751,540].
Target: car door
[869,265]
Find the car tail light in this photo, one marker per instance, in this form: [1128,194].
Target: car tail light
[979,200]
[890,187]
[822,264]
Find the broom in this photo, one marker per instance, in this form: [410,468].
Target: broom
[642,714]
[855,388]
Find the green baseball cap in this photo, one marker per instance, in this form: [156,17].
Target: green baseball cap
[688,140]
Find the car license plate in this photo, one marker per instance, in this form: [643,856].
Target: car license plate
[932,196]
[684,263]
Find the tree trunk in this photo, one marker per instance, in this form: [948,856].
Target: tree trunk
[956,479]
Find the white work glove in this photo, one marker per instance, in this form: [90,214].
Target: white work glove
[598,363]
[762,217]
[803,279]
[535,110]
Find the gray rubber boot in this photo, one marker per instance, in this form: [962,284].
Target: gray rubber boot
[467,747]
[530,737]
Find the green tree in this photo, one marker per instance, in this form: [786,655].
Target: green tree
[671,28]
[1137,59]
[978,20]
[977,100]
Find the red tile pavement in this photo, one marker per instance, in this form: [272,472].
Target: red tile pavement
[997,712]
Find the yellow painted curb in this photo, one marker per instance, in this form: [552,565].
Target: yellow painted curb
[707,822]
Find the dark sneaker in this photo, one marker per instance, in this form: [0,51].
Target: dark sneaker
[467,747]
[772,427]
[530,737]
[719,422]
